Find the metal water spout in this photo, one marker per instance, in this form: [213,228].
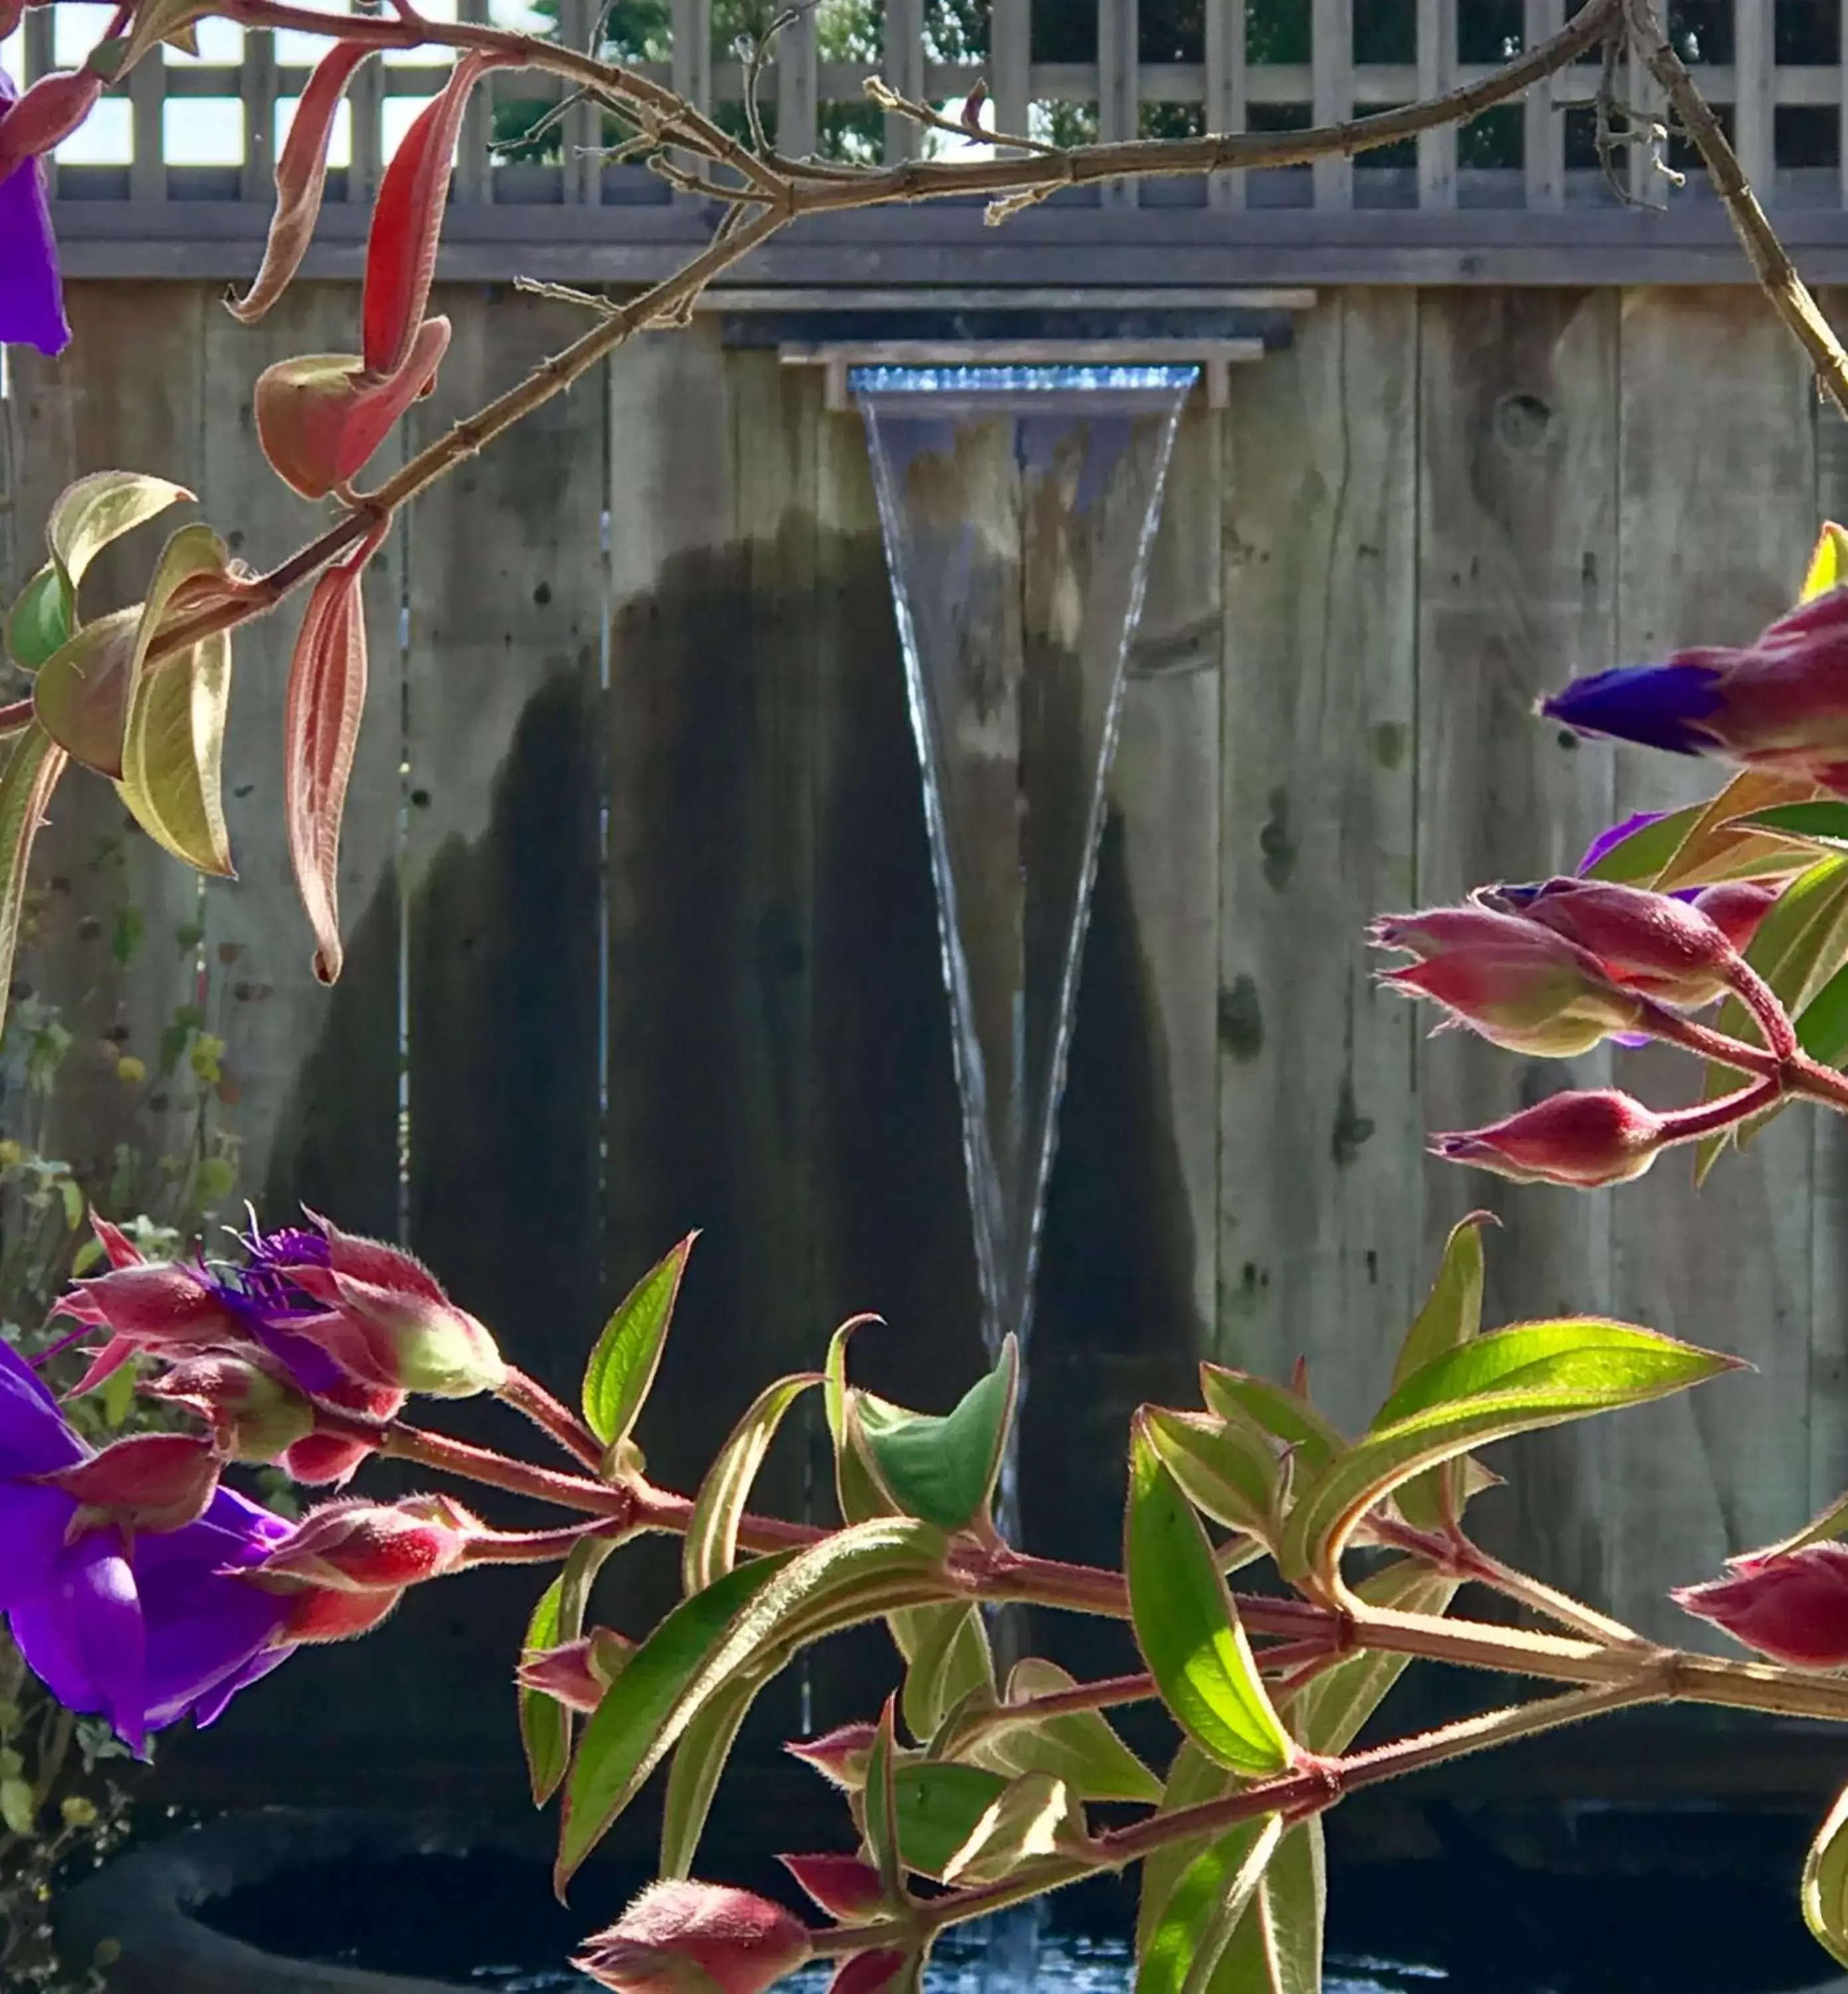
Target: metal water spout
[1018,505]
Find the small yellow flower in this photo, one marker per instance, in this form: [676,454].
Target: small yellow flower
[12,1155]
[77,1811]
[130,1070]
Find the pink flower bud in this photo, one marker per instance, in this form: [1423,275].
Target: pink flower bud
[158,1306]
[1519,985]
[362,1547]
[1645,940]
[848,1889]
[397,1327]
[44,115]
[577,1673]
[1737,907]
[868,1972]
[149,1481]
[1585,1139]
[840,1755]
[320,1615]
[739,1943]
[256,1412]
[327,1460]
[1790,1606]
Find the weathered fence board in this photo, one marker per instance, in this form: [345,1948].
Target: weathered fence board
[1516,586]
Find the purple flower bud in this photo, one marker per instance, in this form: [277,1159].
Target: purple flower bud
[1646,941]
[840,1755]
[1790,1606]
[148,1481]
[734,1942]
[360,1547]
[848,1889]
[1586,1140]
[577,1673]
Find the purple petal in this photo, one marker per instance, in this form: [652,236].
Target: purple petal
[211,1706]
[31,301]
[32,1523]
[35,1437]
[1606,841]
[1655,706]
[105,1608]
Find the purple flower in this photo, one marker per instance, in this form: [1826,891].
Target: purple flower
[32,299]
[143,1634]
[277,1313]
[1780,703]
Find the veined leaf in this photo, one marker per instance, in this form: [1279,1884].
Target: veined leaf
[545,1724]
[1717,846]
[1823,825]
[1276,1948]
[1824,1890]
[1187,1627]
[1313,1441]
[881,1805]
[1636,860]
[1204,1907]
[1451,1315]
[1034,1817]
[81,695]
[41,618]
[1078,1746]
[749,1623]
[699,1759]
[1512,1381]
[628,1354]
[710,1548]
[944,1469]
[33,765]
[1192,1778]
[947,1661]
[1225,1468]
[1328,1713]
[856,1487]
[938,1804]
[88,515]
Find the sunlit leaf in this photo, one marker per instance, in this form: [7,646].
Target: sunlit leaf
[545,1724]
[1203,1909]
[628,1354]
[1825,1888]
[1225,1468]
[101,508]
[1717,846]
[947,1660]
[939,1803]
[1828,564]
[40,618]
[1452,1313]
[1329,1710]
[881,1796]
[942,1469]
[1034,1816]
[1313,1441]
[699,1759]
[1187,1627]
[33,765]
[1276,1947]
[1193,1778]
[1078,1746]
[710,1548]
[1822,824]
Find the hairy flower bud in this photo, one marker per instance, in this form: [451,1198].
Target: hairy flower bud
[148,1482]
[868,1972]
[1586,1140]
[1518,985]
[360,1547]
[678,1937]
[1790,1606]
[320,1615]
[577,1673]
[158,1306]
[840,1755]
[391,1324]
[1648,941]
[255,1411]
[1737,907]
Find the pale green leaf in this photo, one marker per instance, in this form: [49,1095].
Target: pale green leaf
[1313,1441]
[1276,1946]
[42,617]
[33,766]
[880,1797]
[101,508]
[628,1354]
[1452,1315]
[1227,1469]
[545,1724]
[710,1548]
[1078,1746]
[1034,1817]
[699,1759]
[941,1469]
[938,1805]
[948,1661]
[1186,1626]
[80,695]
[1328,1713]
[1825,1887]
[1193,1778]
[1204,1907]
[1827,564]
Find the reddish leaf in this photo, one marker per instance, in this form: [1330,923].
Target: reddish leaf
[407,219]
[300,174]
[320,415]
[326,696]
[867,1972]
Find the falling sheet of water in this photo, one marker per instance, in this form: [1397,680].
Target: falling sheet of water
[1018,506]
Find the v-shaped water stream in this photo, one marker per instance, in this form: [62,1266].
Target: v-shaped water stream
[1018,506]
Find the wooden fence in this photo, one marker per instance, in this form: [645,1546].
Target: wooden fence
[147,198]
[642,935]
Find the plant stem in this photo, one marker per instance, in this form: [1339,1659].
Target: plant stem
[1689,1125]
[527,1395]
[479,1464]
[533,1546]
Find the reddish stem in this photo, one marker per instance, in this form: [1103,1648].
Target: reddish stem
[1758,997]
[524,1394]
[533,1546]
[1689,1125]
[480,1464]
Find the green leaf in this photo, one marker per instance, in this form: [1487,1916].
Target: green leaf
[622,1367]
[699,1759]
[1187,1628]
[1511,1381]
[118,1394]
[1032,1818]
[33,765]
[856,1488]
[881,1799]
[1636,859]
[173,742]
[1823,825]
[710,1547]
[1822,1023]
[948,1660]
[1825,1888]
[1828,564]
[41,618]
[1204,1908]
[938,1805]
[545,1724]
[1277,1409]
[88,515]
[1276,1948]
[1328,1713]
[749,1623]
[17,1808]
[81,697]
[944,1469]
[1192,1778]
[1225,1467]
[1451,1315]
[1078,1746]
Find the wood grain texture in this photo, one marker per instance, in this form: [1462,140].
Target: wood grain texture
[1517,577]
[1319,1190]
[1718,484]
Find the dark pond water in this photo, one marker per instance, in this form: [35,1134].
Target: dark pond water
[1487,1927]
